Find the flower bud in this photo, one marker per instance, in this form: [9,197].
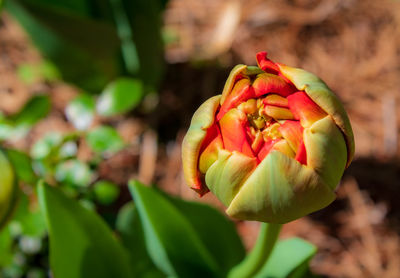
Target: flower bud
[272,147]
[8,189]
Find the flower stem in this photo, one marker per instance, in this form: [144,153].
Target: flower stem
[260,253]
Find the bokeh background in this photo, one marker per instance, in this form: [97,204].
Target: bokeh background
[182,55]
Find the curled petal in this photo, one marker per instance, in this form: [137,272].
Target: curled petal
[266,148]
[304,109]
[241,91]
[280,190]
[283,147]
[266,83]
[212,145]
[233,131]
[202,119]
[326,150]
[266,64]
[292,131]
[317,90]
[301,155]
[237,73]
[276,100]
[225,177]
[278,113]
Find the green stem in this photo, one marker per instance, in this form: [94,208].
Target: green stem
[257,258]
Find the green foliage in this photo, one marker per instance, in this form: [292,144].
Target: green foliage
[81,244]
[73,172]
[8,189]
[119,97]
[28,219]
[171,240]
[23,166]
[224,245]
[93,42]
[289,259]
[83,48]
[18,125]
[80,111]
[45,71]
[105,192]
[104,139]
[35,109]
[131,231]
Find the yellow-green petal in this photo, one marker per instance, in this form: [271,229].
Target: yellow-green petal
[225,177]
[326,150]
[202,119]
[280,190]
[236,71]
[319,92]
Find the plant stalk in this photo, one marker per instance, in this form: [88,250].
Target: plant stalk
[260,253]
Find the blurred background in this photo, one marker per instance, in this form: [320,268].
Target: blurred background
[66,68]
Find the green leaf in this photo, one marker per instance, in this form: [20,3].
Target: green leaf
[85,49]
[28,219]
[81,244]
[132,236]
[80,111]
[54,146]
[119,97]
[8,189]
[30,73]
[6,253]
[217,233]
[74,172]
[34,110]
[288,259]
[27,73]
[171,241]
[104,139]
[144,21]
[23,166]
[105,192]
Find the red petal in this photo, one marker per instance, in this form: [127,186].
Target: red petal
[241,91]
[212,133]
[305,109]
[233,130]
[266,83]
[266,149]
[301,155]
[266,64]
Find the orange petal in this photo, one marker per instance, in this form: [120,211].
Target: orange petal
[241,92]
[266,149]
[276,100]
[292,131]
[305,109]
[210,154]
[233,130]
[270,83]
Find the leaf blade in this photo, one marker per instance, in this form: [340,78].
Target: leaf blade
[81,244]
[170,240]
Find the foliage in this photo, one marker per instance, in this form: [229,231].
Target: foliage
[93,42]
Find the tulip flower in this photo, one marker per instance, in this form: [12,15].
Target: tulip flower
[8,189]
[272,147]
